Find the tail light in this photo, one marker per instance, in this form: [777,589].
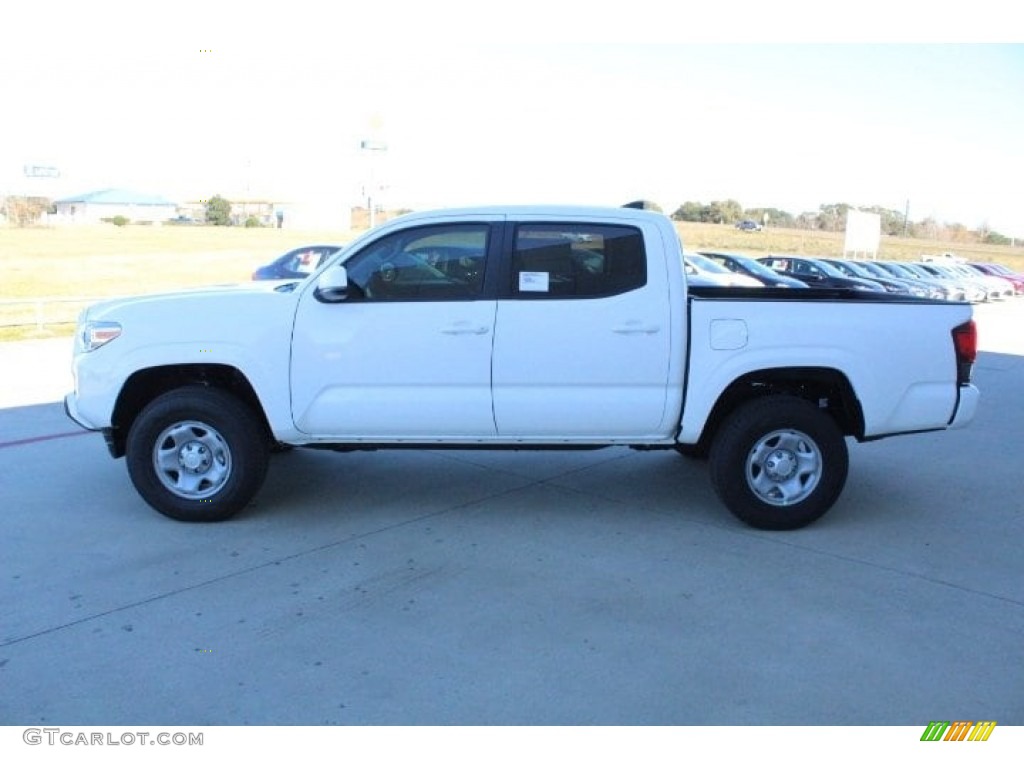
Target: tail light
[965,344]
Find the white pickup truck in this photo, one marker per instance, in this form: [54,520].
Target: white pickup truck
[525,327]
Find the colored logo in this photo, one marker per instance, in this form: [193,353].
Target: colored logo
[960,730]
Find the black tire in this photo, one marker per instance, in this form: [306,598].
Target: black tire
[779,463]
[197,454]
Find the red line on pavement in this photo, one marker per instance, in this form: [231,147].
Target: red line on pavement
[41,438]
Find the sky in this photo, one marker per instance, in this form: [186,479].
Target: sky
[539,104]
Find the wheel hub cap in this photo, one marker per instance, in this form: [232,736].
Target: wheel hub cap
[194,457]
[192,460]
[784,467]
[780,465]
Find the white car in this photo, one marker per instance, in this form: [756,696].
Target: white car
[995,287]
[708,272]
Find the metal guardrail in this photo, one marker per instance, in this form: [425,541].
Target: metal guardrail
[43,311]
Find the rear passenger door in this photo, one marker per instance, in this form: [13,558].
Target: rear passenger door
[581,346]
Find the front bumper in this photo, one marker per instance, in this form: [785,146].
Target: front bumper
[71,410]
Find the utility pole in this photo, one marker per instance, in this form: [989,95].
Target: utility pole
[371,146]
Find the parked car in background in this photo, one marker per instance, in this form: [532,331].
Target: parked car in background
[973,290]
[996,287]
[947,290]
[297,263]
[817,273]
[998,270]
[713,273]
[943,258]
[918,287]
[852,269]
[745,265]
[748,225]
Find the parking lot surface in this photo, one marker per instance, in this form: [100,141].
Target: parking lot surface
[564,588]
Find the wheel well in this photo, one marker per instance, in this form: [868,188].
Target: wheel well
[829,389]
[143,386]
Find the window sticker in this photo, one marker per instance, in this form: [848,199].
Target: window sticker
[535,282]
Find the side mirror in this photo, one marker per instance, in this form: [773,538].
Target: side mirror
[332,285]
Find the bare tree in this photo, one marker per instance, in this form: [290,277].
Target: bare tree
[23,211]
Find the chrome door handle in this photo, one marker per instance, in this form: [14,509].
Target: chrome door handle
[634,328]
[465,329]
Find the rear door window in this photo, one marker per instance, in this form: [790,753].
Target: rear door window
[577,260]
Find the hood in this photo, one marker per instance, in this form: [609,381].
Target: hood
[202,295]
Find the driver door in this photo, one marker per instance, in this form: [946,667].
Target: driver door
[407,355]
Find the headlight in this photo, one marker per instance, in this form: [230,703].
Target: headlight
[95,334]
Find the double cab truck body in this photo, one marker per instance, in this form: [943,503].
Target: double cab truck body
[517,327]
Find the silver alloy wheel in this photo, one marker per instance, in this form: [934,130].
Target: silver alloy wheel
[192,459]
[784,467]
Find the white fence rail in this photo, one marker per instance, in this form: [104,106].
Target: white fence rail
[42,311]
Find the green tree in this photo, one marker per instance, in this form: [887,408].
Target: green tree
[832,218]
[724,212]
[776,217]
[807,220]
[891,221]
[688,211]
[218,211]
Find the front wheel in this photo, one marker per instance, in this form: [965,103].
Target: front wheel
[779,463]
[197,454]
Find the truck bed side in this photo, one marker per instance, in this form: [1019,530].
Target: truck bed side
[896,356]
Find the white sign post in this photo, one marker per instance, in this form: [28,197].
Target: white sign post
[863,234]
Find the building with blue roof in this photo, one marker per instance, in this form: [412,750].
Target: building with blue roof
[94,207]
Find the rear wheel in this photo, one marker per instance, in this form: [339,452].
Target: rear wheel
[197,454]
[779,463]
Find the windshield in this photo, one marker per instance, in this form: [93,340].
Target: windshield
[859,269]
[848,269]
[898,270]
[756,267]
[873,269]
[827,268]
[923,271]
[706,264]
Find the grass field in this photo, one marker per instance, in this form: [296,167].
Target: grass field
[88,263]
